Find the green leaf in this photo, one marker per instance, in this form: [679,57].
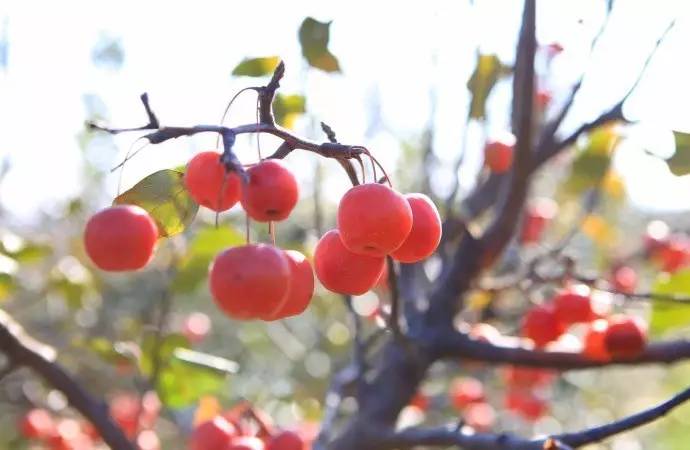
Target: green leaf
[670,316]
[489,69]
[182,384]
[164,196]
[166,347]
[592,161]
[313,37]
[287,108]
[185,375]
[679,163]
[256,67]
[7,285]
[207,243]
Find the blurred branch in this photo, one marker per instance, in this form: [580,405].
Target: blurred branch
[451,436]
[358,356]
[548,148]
[394,319]
[22,350]
[459,345]
[600,433]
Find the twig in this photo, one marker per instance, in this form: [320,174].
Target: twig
[358,357]
[22,350]
[394,319]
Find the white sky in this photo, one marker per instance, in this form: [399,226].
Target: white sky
[183,52]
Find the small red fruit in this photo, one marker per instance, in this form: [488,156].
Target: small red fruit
[272,191]
[250,281]
[527,377]
[426,230]
[196,327]
[624,279]
[215,434]
[301,287]
[554,48]
[37,424]
[656,235]
[246,443]
[124,408]
[209,184]
[573,305]
[420,401]
[626,337]
[498,153]
[542,99]
[541,325]
[342,271]
[675,253]
[120,238]
[594,346]
[465,391]
[525,403]
[286,440]
[374,219]
[539,213]
[480,416]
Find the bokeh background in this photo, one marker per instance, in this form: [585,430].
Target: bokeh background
[402,92]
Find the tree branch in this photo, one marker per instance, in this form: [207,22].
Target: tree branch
[459,345]
[22,350]
[600,433]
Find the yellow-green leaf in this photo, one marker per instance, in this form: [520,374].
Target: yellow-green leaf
[489,69]
[287,108]
[679,163]
[164,196]
[669,316]
[314,37]
[256,67]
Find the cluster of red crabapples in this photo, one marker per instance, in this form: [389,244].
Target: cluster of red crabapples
[374,221]
[261,281]
[244,427]
[135,415]
[618,336]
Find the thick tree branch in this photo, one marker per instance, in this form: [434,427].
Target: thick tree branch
[22,350]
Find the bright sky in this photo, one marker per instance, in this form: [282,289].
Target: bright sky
[183,53]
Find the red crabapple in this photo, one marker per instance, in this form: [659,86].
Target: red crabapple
[498,153]
[120,238]
[626,337]
[210,184]
[286,440]
[594,346]
[37,424]
[573,305]
[250,281]
[374,219]
[301,287]
[464,391]
[272,191]
[215,434]
[541,325]
[343,271]
[426,230]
